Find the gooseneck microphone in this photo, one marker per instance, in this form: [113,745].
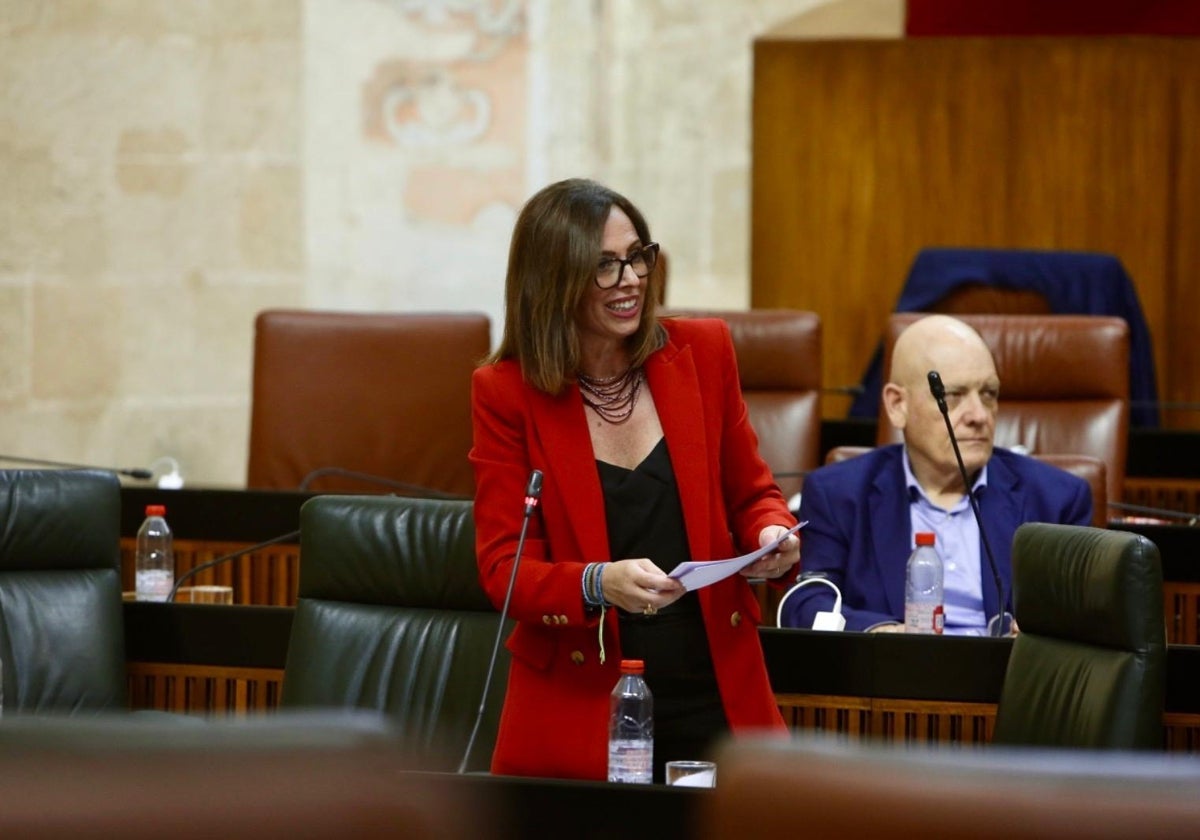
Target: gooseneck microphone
[225,558]
[139,473]
[533,494]
[939,393]
[418,490]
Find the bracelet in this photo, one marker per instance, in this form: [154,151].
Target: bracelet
[588,583]
[599,585]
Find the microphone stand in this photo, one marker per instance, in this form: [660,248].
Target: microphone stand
[139,473]
[533,492]
[367,478]
[939,393]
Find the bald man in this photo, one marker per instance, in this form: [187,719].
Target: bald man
[862,513]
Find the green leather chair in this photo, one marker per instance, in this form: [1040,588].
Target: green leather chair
[62,636]
[391,617]
[1088,668]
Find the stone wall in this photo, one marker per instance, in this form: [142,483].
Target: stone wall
[171,167]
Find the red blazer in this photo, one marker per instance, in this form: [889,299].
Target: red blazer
[555,716]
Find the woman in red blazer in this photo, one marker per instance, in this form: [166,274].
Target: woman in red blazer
[640,431]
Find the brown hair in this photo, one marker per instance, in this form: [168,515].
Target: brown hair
[552,265]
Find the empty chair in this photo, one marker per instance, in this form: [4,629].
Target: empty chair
[779,364]
[1064,384]
[62,637]
[391,617]
[370,403]
[1088,668]
[998,280]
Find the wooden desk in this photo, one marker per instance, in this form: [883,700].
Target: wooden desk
[210,523]
[209,660]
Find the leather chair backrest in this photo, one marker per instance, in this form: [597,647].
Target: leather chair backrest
[391,617]
[822,787]
[779,364]
[386,395]
[1064,384]
[1086,467]
[327,774]
[62,636]
[1088,668]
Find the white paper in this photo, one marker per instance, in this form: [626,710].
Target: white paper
[698,574]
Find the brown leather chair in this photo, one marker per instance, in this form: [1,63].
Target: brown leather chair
[1086,467]
[1064,384]
[779,362]
[818,787]
[368,403]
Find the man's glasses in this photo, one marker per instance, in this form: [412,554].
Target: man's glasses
[611,269]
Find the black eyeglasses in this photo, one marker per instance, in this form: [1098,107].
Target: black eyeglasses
[611,269]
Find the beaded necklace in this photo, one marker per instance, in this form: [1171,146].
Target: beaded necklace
[614,397]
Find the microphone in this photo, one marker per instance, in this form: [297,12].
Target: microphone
[415,489]
[939,393]
[224,558]
[139,473]
[533,494]
[1188,519]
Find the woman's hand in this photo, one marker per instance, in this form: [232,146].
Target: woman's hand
[779,561]
[638,586]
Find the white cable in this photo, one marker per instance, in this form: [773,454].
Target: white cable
[834,620]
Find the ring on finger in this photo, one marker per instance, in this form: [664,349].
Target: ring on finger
[649,609]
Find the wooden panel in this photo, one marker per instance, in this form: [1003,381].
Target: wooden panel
[1181,609]
[203,689]
[866,152]
[941,722]
[1180,382]
[267,577]
[1179,494]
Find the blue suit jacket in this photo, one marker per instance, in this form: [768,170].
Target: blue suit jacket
[859,529]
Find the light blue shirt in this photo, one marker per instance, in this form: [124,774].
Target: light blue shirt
[957,543]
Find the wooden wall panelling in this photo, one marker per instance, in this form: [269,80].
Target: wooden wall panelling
[1181,340]
[864,152]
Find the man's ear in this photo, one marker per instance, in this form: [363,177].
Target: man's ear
[895,403]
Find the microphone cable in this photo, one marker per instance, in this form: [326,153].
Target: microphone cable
[224,558]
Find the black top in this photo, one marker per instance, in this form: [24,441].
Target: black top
[645,519]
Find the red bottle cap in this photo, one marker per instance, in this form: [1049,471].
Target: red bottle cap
[924,538]
[633,666]
[156,510]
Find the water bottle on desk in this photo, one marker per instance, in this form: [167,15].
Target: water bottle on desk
[631,727]
[923,594]
[155,572]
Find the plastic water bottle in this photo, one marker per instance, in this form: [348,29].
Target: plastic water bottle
[155,556]
[923,596]
[631,727]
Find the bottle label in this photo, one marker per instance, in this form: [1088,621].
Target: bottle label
[631,761]
[153,584]
[924,618]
